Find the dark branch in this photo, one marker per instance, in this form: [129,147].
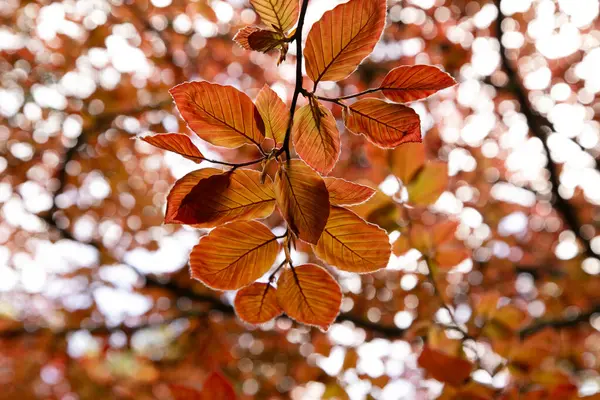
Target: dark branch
[559,323]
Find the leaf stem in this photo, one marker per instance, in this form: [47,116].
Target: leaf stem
[235,165]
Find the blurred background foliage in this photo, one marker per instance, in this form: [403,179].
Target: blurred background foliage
[95,296]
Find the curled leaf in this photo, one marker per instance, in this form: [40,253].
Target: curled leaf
[309,294]
[414,82]
[182,188]
[254,38]
[257,303]
[234,255]
[177,143]
[279,14]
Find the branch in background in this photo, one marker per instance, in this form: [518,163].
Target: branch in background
[540,126]
[559,323]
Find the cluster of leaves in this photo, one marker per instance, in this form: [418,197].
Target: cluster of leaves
[240,250]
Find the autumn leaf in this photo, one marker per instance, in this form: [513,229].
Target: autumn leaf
[177,143]
[443,367]
[444,231]
[342,38]
[429,184]
[352,244]
[346,193]
[257,303]
[414,82]
[407,160]
[216,386]
[303,200]
[234,255]
[384,124]
[316,137]
[182,188]
[450,256]
[401,246]
[182,392]
[226,197]
[254,38]
[221,115]
[274,114]
[309,294]
[279,14]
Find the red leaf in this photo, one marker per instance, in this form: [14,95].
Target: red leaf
[217,387]
[414,82]
[177,143]
[182,188]
[445,368]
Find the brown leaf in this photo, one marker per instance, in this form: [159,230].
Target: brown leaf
[386,125]
[309,294]
[414,82]
[342,38]
[254,38]
[177,143]
[226,197]
[316,137]
[221,115]
[216,386]
[234,255]
[182,188]
[352,244]
[257,303]
[303,200]
[346,193]
[443,367]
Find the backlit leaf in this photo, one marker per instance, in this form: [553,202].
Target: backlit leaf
[234,255]
[385,124]
[216,386]
[254,38]
[310,295]
[316,137]
[444,231]
[414,82]
[352,244]
[221,115]
[274,113]
[346,193]
[257,303]
[177,143]
[429,184]
[279,14]
[342,38]
[443,367]
[401,246]
[182,188]
[406,160]
[226,197]
[303,200]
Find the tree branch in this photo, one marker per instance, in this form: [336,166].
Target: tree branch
[559,323]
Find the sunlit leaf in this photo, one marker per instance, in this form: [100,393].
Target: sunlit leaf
[406,160]
[303,199]
[177,143]
[429,184]
[254,38]
[257,303]
[216,386]
[444,231]
[352,244]
[414,82]
[443,367]
[234,255]
[221,115]
[310,295]
[346,193]
[316,137]
[342,38]
[278,14]
[274,114]
[226,197]
[384,124]
[182,188]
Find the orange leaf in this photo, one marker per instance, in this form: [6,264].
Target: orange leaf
[303,199]
[221,115]
[216,386]
[234,255]
[346,193]
[257,303]
[445,368]
[278,14]
[182,188]
[414,82]
[384,124]
[229,196]
[310,295]
[316,137]
[274,113]
[421,238]
[444,231]
[450,256]
[253,38]
[342,38]
[406,160]
[429,184]
[182,392]
[352,244]
[177,143]
[401,246]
